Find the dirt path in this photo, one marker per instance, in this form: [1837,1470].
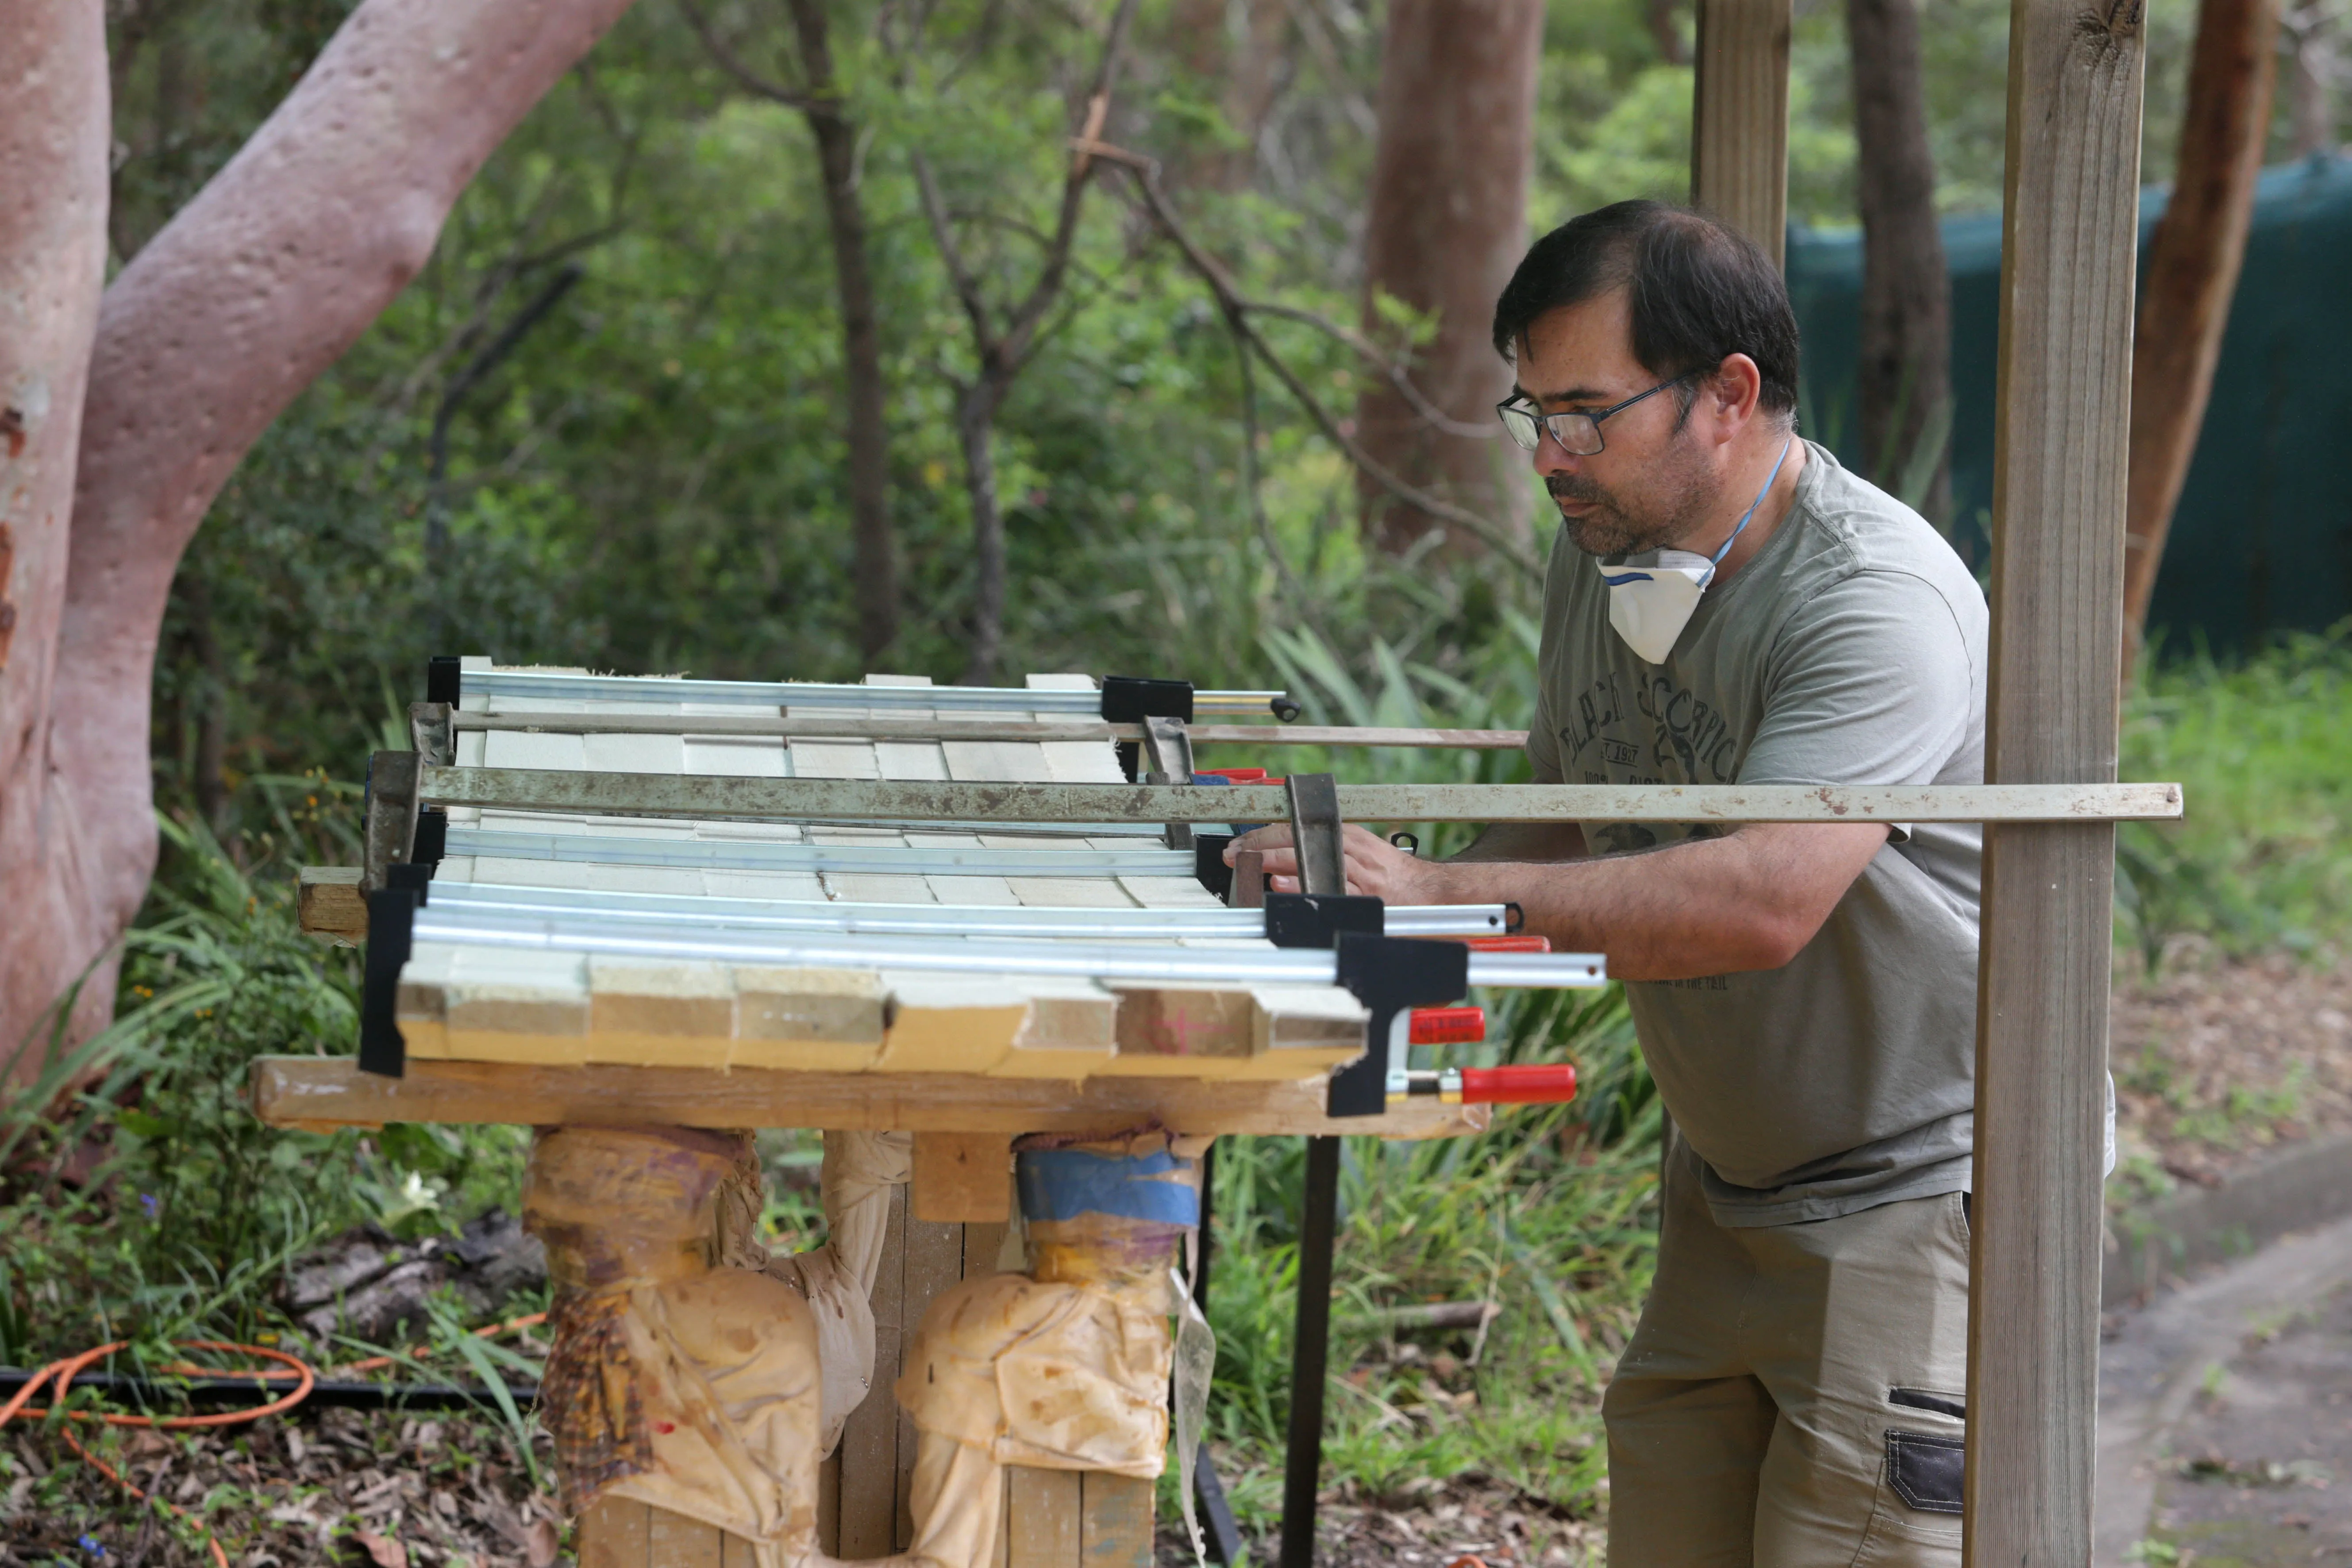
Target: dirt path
[2225,1415]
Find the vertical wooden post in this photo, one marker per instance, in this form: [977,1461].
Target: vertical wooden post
[1739,118]
[2070,223]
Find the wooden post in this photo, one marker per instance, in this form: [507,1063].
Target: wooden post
[2070,223]
[1739,118]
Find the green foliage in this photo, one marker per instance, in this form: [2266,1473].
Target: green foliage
[2263,859]
[157,1207]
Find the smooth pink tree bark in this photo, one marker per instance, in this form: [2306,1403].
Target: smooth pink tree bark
[53,138]
[251,290]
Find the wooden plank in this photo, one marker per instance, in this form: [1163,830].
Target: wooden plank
[612,1534]
[868,1497]
[675,796]
[1043,1509]
[960,1178]
[934,1265]
[324,1092]
[1115,1528]
[1739,118]
[674,1540]
[828,1503]
[2069,223]
[328,902]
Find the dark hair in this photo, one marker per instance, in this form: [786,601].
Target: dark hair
[1699,290]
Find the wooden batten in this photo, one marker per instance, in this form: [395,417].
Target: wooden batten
[1739,118]
[328,903]
[322,1092]
[2070,227]
[962,1178]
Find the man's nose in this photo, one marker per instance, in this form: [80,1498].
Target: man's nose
[1552,458]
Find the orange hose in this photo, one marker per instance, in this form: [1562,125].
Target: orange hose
[64,1372]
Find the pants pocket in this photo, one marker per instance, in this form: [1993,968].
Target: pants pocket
[1914,1518]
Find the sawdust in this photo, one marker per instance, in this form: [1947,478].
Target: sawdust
[2220,1060]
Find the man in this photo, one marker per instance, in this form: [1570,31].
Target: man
[1727,604]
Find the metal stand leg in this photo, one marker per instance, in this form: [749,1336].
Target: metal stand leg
[1304,1468]
[1224,1535]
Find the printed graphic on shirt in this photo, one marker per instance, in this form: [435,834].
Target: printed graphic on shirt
[1664,729]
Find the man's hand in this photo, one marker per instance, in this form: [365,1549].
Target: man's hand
[1375,866]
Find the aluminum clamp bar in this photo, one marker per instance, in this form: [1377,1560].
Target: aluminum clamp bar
[745,855]
[438,922]
[941,919]
[539,686]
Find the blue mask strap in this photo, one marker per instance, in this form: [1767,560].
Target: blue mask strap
[1716,559]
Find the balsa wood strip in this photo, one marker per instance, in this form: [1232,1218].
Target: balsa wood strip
[330,1091]
[2069,223]
[1739,118]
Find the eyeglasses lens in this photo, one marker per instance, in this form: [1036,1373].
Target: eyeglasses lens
[1576,433]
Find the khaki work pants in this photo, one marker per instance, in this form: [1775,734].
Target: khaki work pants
[1793,1396]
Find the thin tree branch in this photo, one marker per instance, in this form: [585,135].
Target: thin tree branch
[1031,310]
[1296,589]
[959,277]
[1146,173]
[1428,412]
[728,60]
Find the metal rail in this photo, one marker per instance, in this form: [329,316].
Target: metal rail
[708,854]
[792,727]
[620,936]
[705,795]
[942,920]
[542,686]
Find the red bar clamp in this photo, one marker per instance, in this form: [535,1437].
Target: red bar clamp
[1448,1026]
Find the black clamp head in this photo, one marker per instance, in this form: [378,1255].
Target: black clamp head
[392,916]
[1132,698]
[1316,920]
[442,678]
[1391,975]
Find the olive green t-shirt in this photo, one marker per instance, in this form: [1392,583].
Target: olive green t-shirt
[1851,650]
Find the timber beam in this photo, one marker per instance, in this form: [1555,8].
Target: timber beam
[708,796]
[322,1093]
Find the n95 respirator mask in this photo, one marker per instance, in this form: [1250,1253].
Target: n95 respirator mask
[1653,595]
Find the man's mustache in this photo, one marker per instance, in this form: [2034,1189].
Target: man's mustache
[1568,487]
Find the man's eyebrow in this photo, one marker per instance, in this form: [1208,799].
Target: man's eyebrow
[1571,394]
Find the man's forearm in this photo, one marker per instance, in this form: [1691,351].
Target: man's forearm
[1529,841]
[1715,906]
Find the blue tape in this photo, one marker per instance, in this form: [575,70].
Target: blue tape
[1062,1184]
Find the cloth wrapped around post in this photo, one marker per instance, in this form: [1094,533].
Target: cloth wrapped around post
[695,1372]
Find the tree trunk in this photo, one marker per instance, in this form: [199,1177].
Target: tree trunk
[54,141]
[874,541]
[976,428]
[1447,226]
[1251,62]
[1907,292]
[267,276]
[2190,273]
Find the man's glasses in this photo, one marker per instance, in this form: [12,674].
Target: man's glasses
[1578,435]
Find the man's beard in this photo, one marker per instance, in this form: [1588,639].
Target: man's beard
[1608,528]
[1674,502]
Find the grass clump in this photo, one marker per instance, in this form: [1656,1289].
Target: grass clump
[2263,747]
